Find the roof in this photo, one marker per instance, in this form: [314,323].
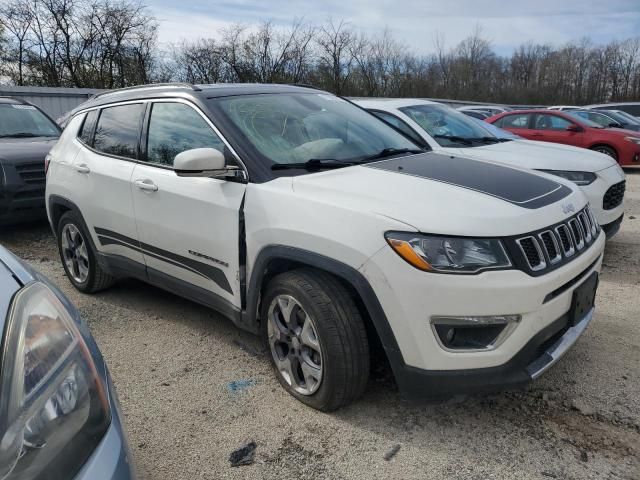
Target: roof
[184,89]
[12,101]
[391,102]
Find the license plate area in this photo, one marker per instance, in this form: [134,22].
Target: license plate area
[584,298]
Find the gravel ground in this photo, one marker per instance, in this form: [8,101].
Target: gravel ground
[174,364]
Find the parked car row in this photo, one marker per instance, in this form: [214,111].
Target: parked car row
[324,228]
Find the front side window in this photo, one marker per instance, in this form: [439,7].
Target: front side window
[447,126]
[23,121]
[514,121]
[292,128]
[551,122]
[175,128]
[118,130]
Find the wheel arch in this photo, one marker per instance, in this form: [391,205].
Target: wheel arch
[275,259]
[604,144]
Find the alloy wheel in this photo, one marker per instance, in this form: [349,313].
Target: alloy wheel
[295,345]
[74,252]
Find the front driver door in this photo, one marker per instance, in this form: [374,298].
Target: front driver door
[553,128]
[188,227]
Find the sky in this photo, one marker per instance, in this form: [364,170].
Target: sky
[416,23]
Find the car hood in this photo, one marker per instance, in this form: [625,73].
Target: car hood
[541,156]
[14,151]
[447,194]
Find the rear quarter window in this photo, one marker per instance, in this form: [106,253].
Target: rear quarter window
[85,134]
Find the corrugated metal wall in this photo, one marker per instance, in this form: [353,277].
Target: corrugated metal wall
[54,101]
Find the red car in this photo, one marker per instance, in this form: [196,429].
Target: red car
[565,127]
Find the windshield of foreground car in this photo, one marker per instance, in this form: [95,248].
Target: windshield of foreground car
[295,128]
[497,131]
[449,127]
[24,121]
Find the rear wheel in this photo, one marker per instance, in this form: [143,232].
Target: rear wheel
[606,150]
[78,256]
[316,338]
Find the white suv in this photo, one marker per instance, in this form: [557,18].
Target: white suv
[445,130]
[305,219]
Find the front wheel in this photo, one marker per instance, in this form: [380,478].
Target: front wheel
[606,150]
[316,338]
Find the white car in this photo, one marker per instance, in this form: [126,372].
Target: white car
[564,107]
[312,223]
[494,109]
[443,129]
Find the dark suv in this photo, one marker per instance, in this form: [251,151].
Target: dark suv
[26,136]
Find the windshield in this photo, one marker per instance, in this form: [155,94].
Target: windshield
[447,126]
[301,127]
[628,117]
[584,121]
[18,120]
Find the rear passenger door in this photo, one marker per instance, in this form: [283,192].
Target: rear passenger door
[189,227]
[517,123]
[102,183]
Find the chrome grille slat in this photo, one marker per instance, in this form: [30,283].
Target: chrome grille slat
[553,254]
[555,246]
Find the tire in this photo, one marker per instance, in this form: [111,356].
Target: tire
[337,327]
[78,255]
[606,150]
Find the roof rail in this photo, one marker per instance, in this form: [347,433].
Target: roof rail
[195,88]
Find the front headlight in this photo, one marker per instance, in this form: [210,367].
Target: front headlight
[579,178]
[635,140]
[440,254]
[54,408]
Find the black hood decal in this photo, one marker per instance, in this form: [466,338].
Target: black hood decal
[521,188]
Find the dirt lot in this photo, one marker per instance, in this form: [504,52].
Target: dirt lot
[174,364]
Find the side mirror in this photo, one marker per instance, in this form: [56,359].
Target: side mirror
[615,125]
[574,128]
[203,162]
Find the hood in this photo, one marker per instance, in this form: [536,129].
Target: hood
[623,131]
[446,194]
[542,156]
[14,151]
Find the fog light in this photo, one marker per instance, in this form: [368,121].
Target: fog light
[473,333]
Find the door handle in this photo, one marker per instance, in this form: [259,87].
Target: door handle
[82,168]
[146,184]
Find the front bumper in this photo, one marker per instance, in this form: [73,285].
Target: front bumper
[410,298]
[22,192]
[610,229]
[595,194]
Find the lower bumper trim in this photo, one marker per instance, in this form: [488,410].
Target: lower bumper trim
[559,348]
[536,357]
[610,229]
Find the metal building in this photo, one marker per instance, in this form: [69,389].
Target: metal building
[53,100]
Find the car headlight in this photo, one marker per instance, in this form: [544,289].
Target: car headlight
[54,408]
[579,178]
[635,140]
[441,254]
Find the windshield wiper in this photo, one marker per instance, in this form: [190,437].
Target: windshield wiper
[387,152]
[488,139]
[19,135]
[313,164]
[455,138]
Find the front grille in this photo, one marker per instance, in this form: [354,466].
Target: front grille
[614,196]
[32,173]
[541,251]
